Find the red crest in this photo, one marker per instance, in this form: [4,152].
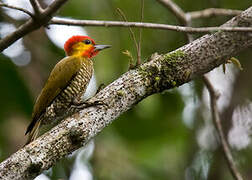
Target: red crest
[75,39]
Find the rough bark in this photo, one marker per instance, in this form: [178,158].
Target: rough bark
[161,72]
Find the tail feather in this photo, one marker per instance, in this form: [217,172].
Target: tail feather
[33,131]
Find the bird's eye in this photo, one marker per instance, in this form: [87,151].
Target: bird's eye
[87,41]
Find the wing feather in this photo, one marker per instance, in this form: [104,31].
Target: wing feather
[61,75]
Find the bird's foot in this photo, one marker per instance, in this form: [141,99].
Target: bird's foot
[85,104]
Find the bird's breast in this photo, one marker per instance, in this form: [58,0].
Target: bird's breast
[74,91]
[79,83]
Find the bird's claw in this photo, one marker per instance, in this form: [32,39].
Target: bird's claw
[85,104]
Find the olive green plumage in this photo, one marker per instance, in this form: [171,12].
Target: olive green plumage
[66,83]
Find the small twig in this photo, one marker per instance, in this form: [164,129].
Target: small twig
[216,119]
[189,36]
[131,59]
[132,34]
[140,35]
[206,13]
[36,7]
[74,22]
[17,8]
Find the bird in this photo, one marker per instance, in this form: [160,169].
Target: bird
[66,83]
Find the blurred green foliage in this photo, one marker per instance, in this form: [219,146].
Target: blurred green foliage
[150,141]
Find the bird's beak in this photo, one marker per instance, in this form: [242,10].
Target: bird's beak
[101,47]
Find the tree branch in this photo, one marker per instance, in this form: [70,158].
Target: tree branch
[213,94]
[179,13]
[161,73]
[31,25]
[16,8]
[206,13]
[53,8]
[216,119]
[36,7]
[74,22]
[44,18]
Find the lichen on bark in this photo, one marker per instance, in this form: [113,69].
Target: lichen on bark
[161,73]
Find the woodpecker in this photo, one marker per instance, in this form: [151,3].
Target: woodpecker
[66,84]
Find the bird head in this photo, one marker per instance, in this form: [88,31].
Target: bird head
[82,46]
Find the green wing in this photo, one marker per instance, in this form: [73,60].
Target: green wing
[61,75]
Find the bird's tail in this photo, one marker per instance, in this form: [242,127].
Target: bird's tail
[33,132]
